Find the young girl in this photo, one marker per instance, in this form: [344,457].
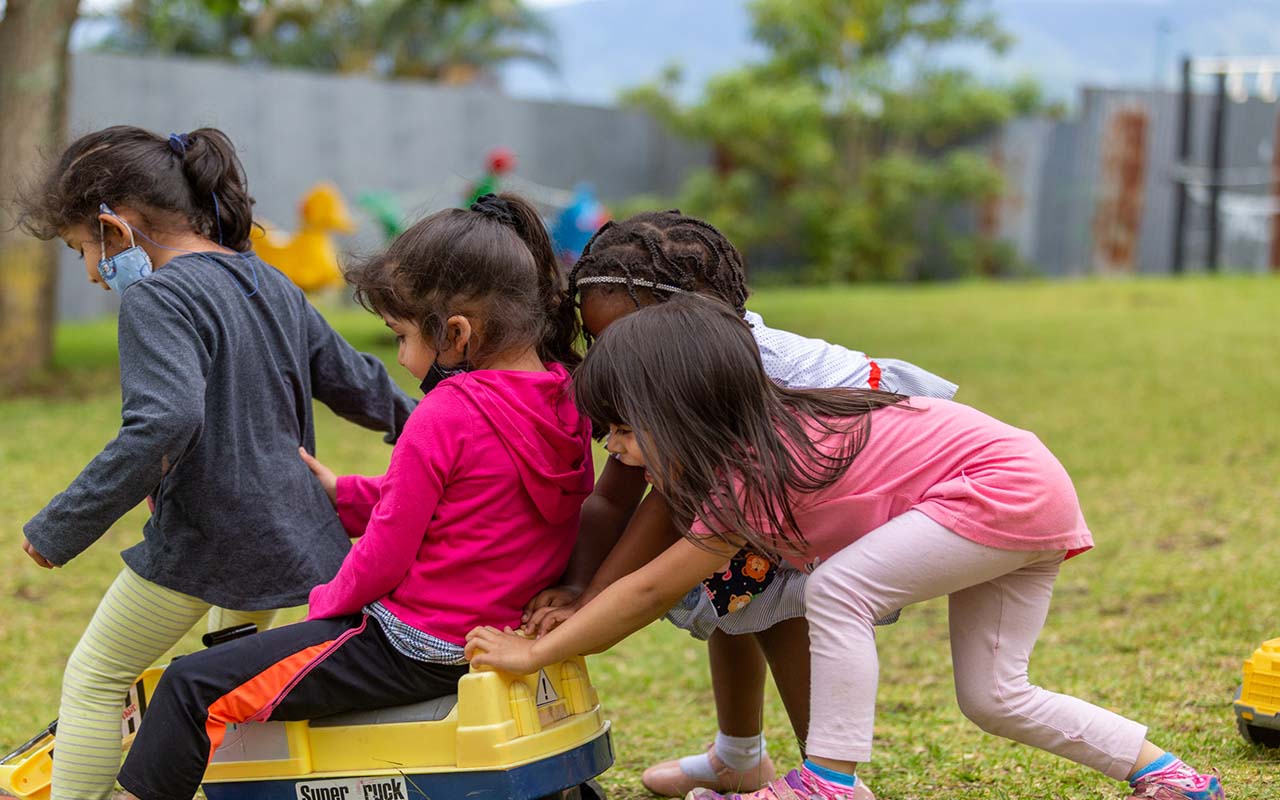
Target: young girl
[750,611]
[478,509]
[885,500]
[220,357]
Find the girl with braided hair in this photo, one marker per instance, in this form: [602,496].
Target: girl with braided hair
[477,512]
[752,612]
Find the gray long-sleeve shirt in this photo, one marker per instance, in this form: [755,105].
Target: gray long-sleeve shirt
[216,398]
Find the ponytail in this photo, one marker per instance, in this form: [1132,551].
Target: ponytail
[493,261]
[561,340]
[194,179]
[218,188]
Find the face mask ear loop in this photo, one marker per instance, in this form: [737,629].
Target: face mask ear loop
[217,216]
[105,209]
[102,228]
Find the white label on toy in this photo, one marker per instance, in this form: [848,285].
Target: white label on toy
[546,692]
[382,788]
[134,706]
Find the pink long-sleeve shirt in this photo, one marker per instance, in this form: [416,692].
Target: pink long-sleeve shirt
[987,481]
[478,510]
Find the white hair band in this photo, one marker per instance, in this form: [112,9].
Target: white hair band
[662,287]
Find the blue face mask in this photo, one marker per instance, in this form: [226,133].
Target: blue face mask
[126,267]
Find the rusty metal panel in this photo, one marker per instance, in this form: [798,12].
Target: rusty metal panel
[1117,221]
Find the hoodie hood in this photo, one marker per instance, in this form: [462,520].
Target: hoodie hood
[541,428]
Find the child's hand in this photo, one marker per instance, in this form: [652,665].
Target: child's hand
[30,550]
[550,598]
[504,650]
[548,618]
[327,477]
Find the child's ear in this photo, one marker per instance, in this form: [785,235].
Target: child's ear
[458,332]
[114,229]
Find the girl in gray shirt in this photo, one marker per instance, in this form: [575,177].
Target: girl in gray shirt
[220,358]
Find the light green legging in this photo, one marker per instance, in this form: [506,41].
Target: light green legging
[136,623]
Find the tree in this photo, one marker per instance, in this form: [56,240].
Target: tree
[455,41]
[33,79]
[458,40]
[844,145]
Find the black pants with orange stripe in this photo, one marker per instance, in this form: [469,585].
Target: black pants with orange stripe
[311,669]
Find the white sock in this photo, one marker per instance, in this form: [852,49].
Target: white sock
[698,767]
[740,753]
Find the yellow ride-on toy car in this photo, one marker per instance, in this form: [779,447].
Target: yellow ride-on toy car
[523,737]
[1258,703]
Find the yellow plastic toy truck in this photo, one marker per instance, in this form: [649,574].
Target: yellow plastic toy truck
[1258,704]
[523,737]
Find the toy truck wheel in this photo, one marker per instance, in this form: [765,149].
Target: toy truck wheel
[1257,735]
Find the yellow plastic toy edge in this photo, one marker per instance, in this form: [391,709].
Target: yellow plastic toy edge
[1260,692]
[29,778]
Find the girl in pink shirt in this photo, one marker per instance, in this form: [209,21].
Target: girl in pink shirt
[477,512]
[886,500]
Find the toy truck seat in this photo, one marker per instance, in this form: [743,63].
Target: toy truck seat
[426,711]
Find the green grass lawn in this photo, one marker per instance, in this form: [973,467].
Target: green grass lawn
[1160,397]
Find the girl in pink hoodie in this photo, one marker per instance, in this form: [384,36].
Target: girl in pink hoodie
[477,512]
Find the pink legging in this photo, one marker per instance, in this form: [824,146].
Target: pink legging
[998,603]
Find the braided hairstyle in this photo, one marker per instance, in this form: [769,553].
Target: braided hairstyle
[663,252]
[493,261]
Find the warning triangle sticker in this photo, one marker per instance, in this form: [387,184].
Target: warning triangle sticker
[546,692]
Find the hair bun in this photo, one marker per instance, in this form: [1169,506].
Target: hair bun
[495,207]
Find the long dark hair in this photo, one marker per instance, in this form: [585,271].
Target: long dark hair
[191,180]
[663,249]
[493,261]
[686,376]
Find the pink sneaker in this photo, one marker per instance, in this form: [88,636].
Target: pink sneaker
[791,786]
[669,780]
[1177,782]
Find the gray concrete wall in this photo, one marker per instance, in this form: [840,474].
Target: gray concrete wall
[423,142]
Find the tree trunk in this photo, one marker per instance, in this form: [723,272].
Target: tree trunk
[33,81]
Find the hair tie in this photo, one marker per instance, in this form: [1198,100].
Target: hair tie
[495,207]
[178,143]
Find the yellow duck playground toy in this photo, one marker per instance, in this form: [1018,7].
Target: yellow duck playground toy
[309,257]
[1258,704]
[514,737]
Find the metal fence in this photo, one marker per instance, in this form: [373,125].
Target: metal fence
[1097,193]
[423,143]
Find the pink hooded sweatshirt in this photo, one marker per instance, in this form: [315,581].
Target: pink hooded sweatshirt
[478,510]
